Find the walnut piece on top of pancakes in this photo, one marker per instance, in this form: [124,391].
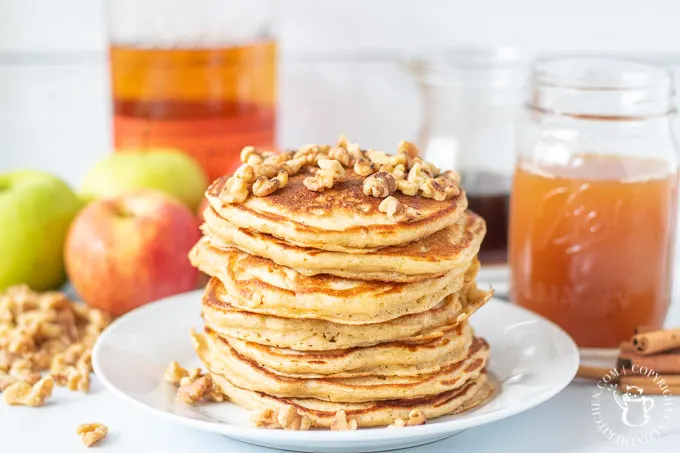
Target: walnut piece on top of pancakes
[264,174]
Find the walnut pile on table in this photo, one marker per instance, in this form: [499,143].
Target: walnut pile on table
[45,332]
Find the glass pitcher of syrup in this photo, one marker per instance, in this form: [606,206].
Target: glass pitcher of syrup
[194,75]
[594,195]
[471,98]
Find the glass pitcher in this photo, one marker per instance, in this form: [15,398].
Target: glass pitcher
[594,198]
[197,75]
[471,99]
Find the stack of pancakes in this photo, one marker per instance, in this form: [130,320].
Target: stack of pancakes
[320,301]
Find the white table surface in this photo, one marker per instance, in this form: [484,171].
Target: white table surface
[562,424]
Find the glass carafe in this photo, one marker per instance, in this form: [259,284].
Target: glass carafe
[593,210]
[471,97]
[196,75]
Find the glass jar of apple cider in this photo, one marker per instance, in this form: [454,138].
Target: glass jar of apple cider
[594,194]
[197,75]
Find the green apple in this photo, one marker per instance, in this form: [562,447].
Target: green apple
[36,210]
[168,170]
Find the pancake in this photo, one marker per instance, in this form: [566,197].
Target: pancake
[220,358]
[339,219]
[399,358]
[319,335]
[453,247]
[262,286]
[379,413]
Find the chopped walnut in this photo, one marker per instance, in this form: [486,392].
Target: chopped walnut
[341,155]
[451,175]
[334,167]
[215,395]
[268,171]
[5,360]
[330,171]
[293,166]
[73,353]
[174,372]
[18,342]
[342,141]
[40,360]
[289,419]
[263,186]
[341,423]
[78,380]
[181,377]
[265,418]
[22,369]
[415,417]
[285,417]
[312,153]
[398,423]
[53,300]
[6,380]
[60,377]
[91,433]
[353,149]
[430,169]
[439,188]
[279,158]
[380,185]
[397,211]
[364,166]
[408,148]
[194,374]
[399,171]
[378,157]
[20,366]
[251,156]
[235,191]
[417,174]
[195,391]
[25,394]
[246,172]
[67,324]
[45,332]
[58,363]
[73,378]
[402,159]
[84,363]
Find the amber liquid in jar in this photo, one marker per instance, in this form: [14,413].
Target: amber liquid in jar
[590,244]
[209,102]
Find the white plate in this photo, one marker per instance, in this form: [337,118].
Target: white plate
[531,361]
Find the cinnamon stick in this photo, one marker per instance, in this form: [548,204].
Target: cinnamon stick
[662,363]
[656,341]
[591,372]
[640,381]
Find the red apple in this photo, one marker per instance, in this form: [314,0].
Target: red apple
[124,251]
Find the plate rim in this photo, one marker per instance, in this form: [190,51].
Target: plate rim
[324,435]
